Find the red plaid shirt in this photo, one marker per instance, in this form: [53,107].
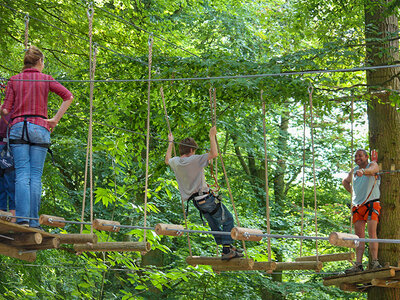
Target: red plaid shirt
[30,97]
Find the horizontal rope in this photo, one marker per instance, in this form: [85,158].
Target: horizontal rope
[224,77]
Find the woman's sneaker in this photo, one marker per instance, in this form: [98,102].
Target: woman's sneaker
[375,265]
[358,267]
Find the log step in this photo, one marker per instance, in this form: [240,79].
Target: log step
[217,261]
[328,257]
[113,246]
[258,266]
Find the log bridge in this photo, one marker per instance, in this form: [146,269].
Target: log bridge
[23,242]
[388,277]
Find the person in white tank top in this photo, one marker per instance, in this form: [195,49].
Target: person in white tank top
[364,181]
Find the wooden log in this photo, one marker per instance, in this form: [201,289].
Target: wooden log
[52,221]
[299,265]
[5,215]
[258,266]
[386,283]
[336,239]
[113,246]
[106,225]
[349,287]
[245,234]
[169,229]
[328,257]
[47,243]
[14,252]
[77,238]
[217,261]
[24,239]
[365,277]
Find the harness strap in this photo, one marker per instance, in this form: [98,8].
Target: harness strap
[370,207]
[27,141]
[191,198]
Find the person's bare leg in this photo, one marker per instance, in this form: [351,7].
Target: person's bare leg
[359,229]
[373,247]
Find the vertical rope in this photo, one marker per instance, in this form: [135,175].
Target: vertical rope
[351,162]
[89,150]
[26,31]
[266,178]
[310,92]
[183,204]
[92,70]
[227,179]
[148,135]
[303,181]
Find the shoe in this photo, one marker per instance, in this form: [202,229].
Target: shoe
[354,269]
[375,265]
[239,250]
[38,228]
[23,224]
[231,254]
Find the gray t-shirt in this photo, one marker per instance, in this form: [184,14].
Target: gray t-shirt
[363,185]
[189,172]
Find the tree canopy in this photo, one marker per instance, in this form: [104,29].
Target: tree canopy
[198,46]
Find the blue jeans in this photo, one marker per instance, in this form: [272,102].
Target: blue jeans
[29,163]
[217,223]
[7,189]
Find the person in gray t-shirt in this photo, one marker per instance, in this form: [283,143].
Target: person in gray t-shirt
[364,181]
[189,173]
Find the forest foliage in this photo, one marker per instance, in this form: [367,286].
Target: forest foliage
[193,39]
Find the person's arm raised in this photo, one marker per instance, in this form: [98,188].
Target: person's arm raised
[213,143]
[168,155]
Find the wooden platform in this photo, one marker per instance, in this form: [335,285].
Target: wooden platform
[23,242]
[388,277]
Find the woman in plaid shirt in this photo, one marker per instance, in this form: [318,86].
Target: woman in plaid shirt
[26,99]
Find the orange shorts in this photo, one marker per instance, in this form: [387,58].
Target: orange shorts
[362,212]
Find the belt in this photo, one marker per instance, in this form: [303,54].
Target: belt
[197,198]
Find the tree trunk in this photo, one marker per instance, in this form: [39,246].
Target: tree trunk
[384,128]
[279,176]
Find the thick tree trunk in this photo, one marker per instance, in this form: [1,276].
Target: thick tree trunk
[384,128]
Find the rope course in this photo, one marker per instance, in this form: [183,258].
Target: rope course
[179,231]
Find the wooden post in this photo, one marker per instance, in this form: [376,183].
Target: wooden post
[245,234]
[336,239]
[328,257]
[114,246]
[24,239]
[105,225]
[169,229]
[217,261]
[14,252]
[299,265]
[52,221]
[77,238]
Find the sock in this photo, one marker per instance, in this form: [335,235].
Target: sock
[226,249]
